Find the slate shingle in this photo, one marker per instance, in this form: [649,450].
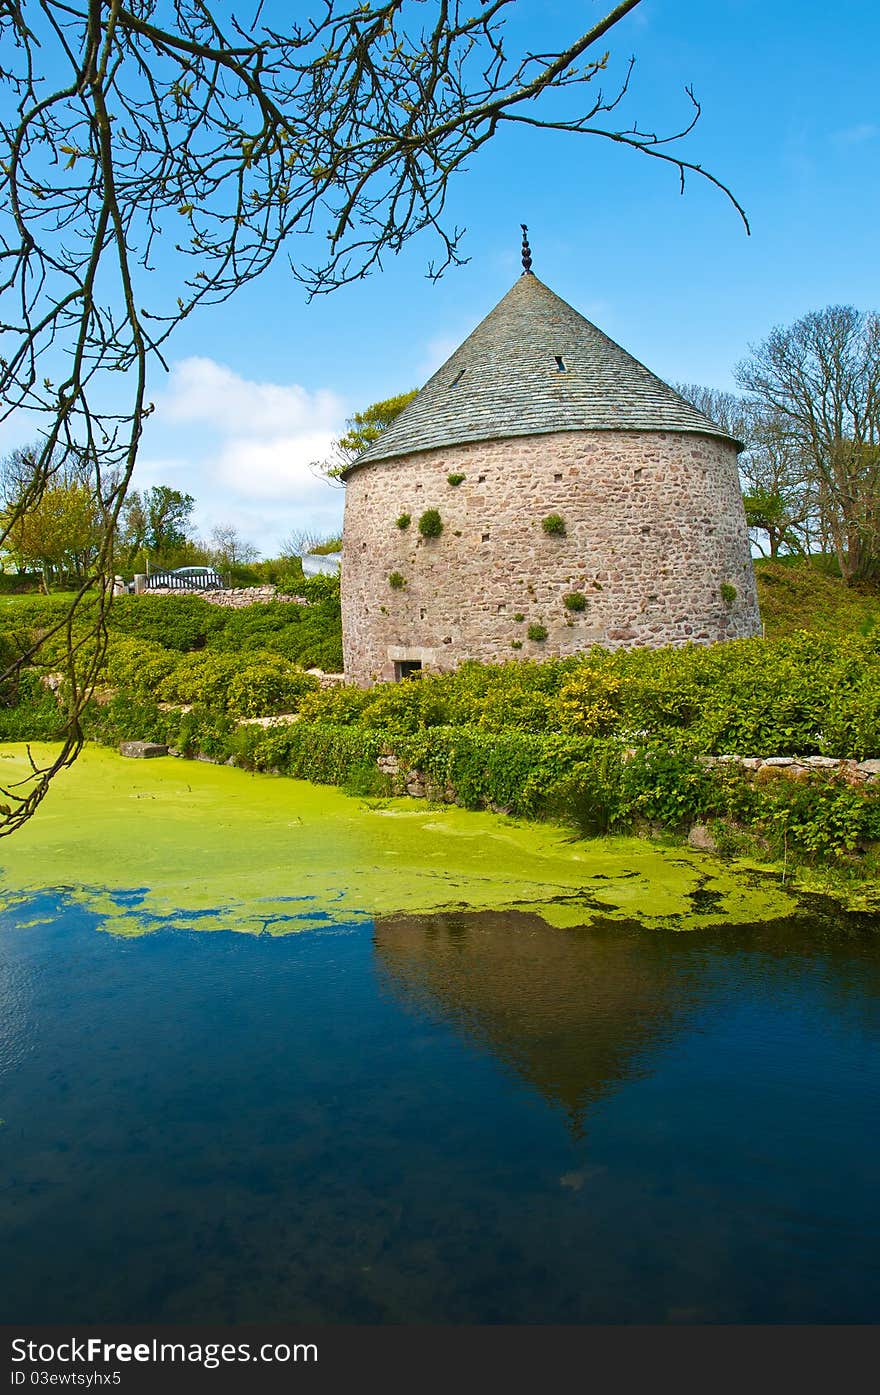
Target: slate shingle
[504,380]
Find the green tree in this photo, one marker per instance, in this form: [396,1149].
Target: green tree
[168,519]
[58,532]
[58,535]
[133,530]
[155,527]
[361,430]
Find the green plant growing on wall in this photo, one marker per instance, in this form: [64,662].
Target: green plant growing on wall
[537,632]
[516,644]
[397,581]
[575,600]
[455,480]
[404,521]
[430,524]
[728,593]
[519,617]
[554,525]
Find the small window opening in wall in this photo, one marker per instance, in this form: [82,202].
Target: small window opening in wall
[637,474]
[422,613]
[560,364]
[557,477]
[458,377]
[405,668]
[481,479]
[485,537]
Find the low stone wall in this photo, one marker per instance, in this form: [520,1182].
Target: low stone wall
[857,772]
[328,680]
[418,785]
[236,597]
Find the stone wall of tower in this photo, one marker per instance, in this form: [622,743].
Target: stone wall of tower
[654,527]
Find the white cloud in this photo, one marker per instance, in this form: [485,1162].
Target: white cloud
[209,393]
[857,135]
[244,449]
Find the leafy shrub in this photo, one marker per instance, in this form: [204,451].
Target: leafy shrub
[824,816]
[430,524]
[128,717]
[537,632]
[667,787]
[201,678]
[575,600]
[455,480]
[326,754]
[268,685]
[507,770]
[29,711]
[404,521]
[206,732]
[396,581]
[589,703]
[728,592]
[553,525]
[591,796]
[309,635]
[176,622]
[139,665]
[337,706]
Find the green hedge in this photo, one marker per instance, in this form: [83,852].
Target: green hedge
[807,694]
[325,754]
[604,741]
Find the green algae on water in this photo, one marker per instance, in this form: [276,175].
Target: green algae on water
[158,843]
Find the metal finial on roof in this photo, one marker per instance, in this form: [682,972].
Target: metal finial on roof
[526,250]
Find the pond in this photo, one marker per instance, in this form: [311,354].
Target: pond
[467,1115]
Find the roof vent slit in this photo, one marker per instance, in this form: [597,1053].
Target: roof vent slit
[458,377]
[561,366]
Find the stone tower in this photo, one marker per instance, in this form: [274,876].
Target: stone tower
[580,501]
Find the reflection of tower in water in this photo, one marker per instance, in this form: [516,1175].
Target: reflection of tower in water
[574,1012]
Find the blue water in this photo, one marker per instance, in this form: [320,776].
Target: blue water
[449,1119]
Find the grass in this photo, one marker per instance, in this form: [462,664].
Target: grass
[795,595]
[24,598]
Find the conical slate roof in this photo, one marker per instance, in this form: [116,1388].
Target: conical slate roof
[534,365]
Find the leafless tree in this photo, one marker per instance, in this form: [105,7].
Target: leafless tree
[158,131]
[300,541]
[820,381]
[229,549]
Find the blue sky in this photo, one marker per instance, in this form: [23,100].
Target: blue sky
[790,121]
